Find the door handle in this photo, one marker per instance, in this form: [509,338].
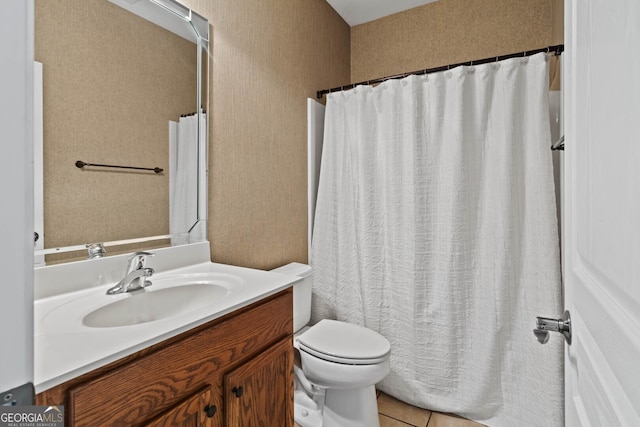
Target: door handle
[210,410]
[544,325]
[238,391]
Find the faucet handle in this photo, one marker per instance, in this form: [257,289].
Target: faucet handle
[137,260]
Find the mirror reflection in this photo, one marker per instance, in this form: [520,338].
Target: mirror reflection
[118,89]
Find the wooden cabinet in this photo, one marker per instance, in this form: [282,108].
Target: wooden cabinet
[253,391]
[195,411]
[235,371]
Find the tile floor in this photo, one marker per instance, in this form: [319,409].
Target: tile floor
[394,413]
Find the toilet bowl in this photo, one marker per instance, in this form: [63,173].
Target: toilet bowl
[340,364]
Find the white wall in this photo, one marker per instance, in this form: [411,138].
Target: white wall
[16,187]
[315,134]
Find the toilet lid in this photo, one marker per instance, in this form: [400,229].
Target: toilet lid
[343,342]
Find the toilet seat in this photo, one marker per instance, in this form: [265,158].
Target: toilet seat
[345,343]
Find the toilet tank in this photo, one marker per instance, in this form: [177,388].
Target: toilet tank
[301,292]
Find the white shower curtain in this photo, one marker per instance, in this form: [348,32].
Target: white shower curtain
[183,178]
[436,226]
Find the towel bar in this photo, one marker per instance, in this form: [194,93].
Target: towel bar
[80,164]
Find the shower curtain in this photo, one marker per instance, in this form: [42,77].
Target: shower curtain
[183,178]
[436,227]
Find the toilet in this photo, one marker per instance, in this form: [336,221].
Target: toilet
[340,364]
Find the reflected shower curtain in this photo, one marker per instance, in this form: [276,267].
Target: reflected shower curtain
[183,177]
[436,227]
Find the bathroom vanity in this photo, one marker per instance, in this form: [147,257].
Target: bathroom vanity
[229,363]
[232,371]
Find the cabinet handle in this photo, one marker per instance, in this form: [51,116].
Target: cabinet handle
[237,391]
[210,410]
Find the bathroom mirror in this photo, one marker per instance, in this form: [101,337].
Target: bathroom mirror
[124,83]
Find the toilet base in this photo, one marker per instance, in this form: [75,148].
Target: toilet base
[342,408]
[307,413]
[351,408]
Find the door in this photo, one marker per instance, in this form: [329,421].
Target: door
[189,413]
[38,167]
[16,188]
[259,393]
[601,255]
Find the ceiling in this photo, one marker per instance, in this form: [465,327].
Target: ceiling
[356,12]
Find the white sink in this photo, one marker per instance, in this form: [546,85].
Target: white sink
[149,305]
[167,297]
[78,328]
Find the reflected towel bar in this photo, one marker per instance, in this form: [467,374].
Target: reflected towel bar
[80,164]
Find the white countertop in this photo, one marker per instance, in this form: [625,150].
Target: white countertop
[65,348]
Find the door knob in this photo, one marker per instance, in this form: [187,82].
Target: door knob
[237,391]
[545,325]
[210,410]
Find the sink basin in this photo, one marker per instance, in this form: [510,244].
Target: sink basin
[167,297]
[149,305]
[78,328]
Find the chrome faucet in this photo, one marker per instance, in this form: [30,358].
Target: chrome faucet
[136,275]
[95,250]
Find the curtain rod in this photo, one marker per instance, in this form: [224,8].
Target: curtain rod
[557,50]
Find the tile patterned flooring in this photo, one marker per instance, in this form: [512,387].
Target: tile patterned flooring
[394,413]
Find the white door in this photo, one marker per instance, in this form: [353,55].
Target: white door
[38,167]
[601,256]
[16,188]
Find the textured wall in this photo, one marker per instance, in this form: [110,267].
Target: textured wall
[268,57]
[110,89]
[557,17]
[557,37]
[448,32]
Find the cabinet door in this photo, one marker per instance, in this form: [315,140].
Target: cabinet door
[195,411]
[259,393]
